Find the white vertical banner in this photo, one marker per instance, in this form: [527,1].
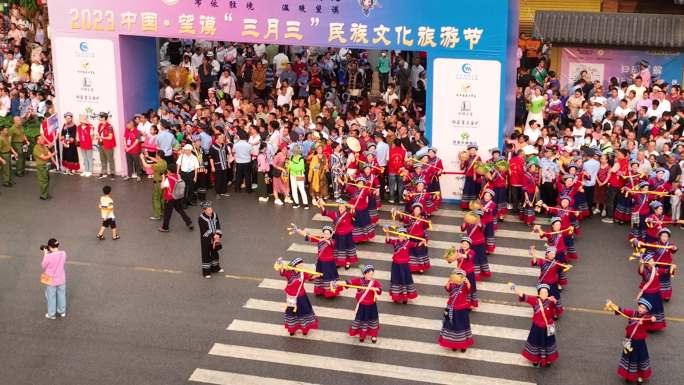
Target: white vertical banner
[85,77]
[465,110]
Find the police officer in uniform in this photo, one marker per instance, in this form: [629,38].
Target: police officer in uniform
[42,156]
[159,168]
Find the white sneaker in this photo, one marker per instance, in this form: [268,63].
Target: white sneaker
[262,199]
[103,176]
[288,200]
[266,199]
[278,202]
[596,211]
[607,220]
[134,175]
[254,186]
[48,316]
[603,213]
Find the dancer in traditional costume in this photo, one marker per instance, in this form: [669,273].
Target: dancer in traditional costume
[530,192]
[488,219]
[416,224]
[464,256]
[363,230]
[473,182]
[367,321]
[299,314]
[654,222]
[662,251]
[556,238]
[325,264]
[456,333]
[473,229]
[435,169]
[345,248]
[568,218]
[635,364]
[650,290]
[629,180]
[402,288]
[640,211]
[549,274]
[540,348]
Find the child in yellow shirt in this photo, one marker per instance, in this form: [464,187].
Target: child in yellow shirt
[107,213]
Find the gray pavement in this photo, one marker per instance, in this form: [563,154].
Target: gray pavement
[141,313]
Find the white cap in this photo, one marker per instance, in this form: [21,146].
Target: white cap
[187,147]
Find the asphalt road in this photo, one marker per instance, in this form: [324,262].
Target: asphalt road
[141,313]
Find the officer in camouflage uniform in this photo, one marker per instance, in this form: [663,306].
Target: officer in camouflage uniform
[42,156]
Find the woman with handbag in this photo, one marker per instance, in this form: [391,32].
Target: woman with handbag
[540,348]
[279,176]
[635,363]
[54,279]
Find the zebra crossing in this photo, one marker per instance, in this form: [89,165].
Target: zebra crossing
[256,348]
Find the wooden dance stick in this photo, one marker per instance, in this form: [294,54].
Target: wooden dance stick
[277,266]
[362,186]
[405,235]
[381,169]
[566,267]
[651,245]
[395,213]
[335,284]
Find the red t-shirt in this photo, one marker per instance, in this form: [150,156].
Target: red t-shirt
[106,130]
[615,180]
[85,141]
[397,155]
[131,138]
[517,170]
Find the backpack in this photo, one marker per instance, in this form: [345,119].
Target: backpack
[178,189]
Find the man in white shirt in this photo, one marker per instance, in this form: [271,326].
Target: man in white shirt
[37,71]
[416,70]
[197,57]
[278,61]
[231,54]
[621,112]
[187,166]
[9,66]
[220,52]
[144,126]
[259,50]
[578,132]
[598,97]
[284,97]
[5,103]
[533,132]
[637,87]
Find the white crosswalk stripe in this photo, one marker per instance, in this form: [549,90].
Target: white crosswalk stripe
[217,377]
[443,245]
[354,366]
[378,256]
[390,342]
[451,213]
[383,343]
[393,319]
[452,229]
[422,300]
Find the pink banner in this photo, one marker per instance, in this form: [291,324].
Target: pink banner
[602,64]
